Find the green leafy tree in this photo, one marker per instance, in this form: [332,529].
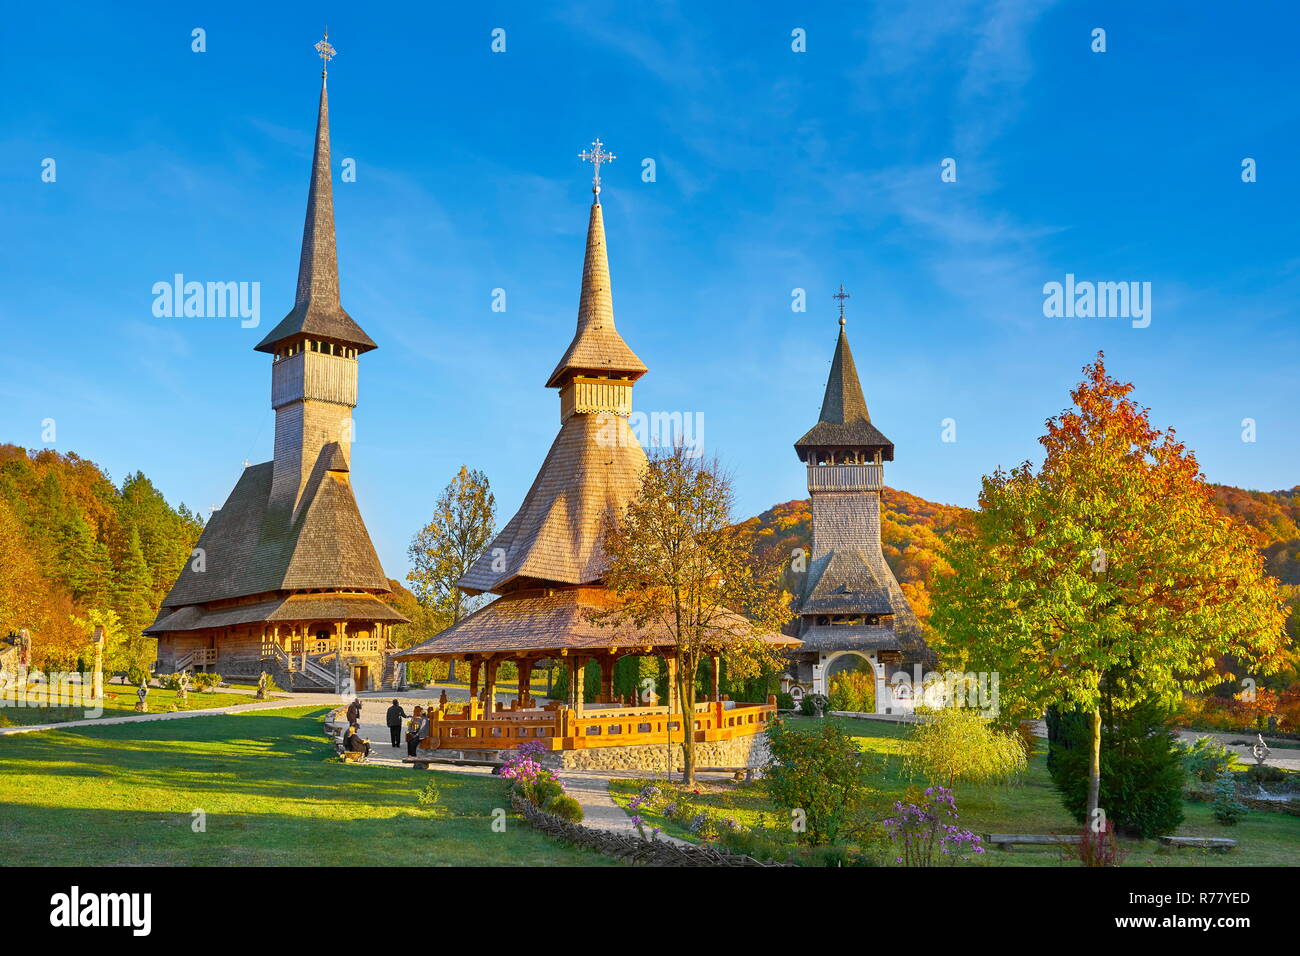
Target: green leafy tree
[1109,572]
[464,519]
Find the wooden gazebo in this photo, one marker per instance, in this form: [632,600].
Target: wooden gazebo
[546,567]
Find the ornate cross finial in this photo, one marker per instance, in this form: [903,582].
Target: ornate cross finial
[325,52]
[841,295]
[596,156]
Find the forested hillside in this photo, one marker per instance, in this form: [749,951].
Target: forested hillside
[912,530]
[78,550]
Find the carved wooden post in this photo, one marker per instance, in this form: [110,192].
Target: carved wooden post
[490,686]
[716,663]
[607,679]
[473,679]
[525,681]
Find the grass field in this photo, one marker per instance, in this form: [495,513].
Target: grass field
[119,701]
[270,790]
[1028,806]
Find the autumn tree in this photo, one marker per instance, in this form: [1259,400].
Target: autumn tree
[686,574]
[442,552]
[1108,573]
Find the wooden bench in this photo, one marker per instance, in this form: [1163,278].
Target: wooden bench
[1005,841]
[348,756]
[738,773]
[423,763]
[1221,844]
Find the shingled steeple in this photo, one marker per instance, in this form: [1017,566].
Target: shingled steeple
[844,425]
[317,312]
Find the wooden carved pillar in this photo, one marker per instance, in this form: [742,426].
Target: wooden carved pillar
[473,679]
[490,688]
[716,663]
[607,679]
[525,682]
[577,673]
[671,661]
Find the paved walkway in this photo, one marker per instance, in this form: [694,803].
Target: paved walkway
[283,700]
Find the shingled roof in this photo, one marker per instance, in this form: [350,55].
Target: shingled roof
[317,311]
[843,582]
[597,347]
[592,469]
[844,421]
[250,548]
[292,607]
[544,620]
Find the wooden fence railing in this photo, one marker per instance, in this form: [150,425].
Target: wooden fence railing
[467,727]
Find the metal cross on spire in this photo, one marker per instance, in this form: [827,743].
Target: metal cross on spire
[841,295]
[325,52]
[596,155]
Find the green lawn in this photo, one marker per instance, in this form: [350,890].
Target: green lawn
[1028,806]
[272,792]
[119,701]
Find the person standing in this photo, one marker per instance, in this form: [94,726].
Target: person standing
[354,712]
[394,718]
[416,731]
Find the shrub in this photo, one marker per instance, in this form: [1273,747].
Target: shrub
[1205,759]
[204,682]
[431,795]
[958,745]
[784,701]
[136,675]
[564,807]
[1227,807]
[808,706]
[854,691]
[821,773]
[1095,849]
[1141,770]
[1262,773]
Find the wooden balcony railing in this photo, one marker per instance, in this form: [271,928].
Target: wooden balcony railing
[467,727]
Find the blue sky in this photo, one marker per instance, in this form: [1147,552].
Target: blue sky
[776,170]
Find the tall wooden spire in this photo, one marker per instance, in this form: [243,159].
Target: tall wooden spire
[597,348]
[317,311]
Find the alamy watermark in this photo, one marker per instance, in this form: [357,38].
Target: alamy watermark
[208,300]
[653,430]
[1103,300]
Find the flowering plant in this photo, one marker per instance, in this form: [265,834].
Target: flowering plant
[926,834]
[524,768]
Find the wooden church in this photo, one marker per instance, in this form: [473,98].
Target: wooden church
[285,578]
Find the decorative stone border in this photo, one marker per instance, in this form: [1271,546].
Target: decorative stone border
[631,848]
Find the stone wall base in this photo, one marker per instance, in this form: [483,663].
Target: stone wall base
[751,751]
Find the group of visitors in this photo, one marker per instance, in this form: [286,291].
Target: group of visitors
[417,726]
[416,723]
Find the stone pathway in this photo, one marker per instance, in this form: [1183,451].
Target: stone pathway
[284,700]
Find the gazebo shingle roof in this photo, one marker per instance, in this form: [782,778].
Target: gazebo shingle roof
[543,620]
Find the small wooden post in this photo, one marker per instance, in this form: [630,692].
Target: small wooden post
[716,663]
